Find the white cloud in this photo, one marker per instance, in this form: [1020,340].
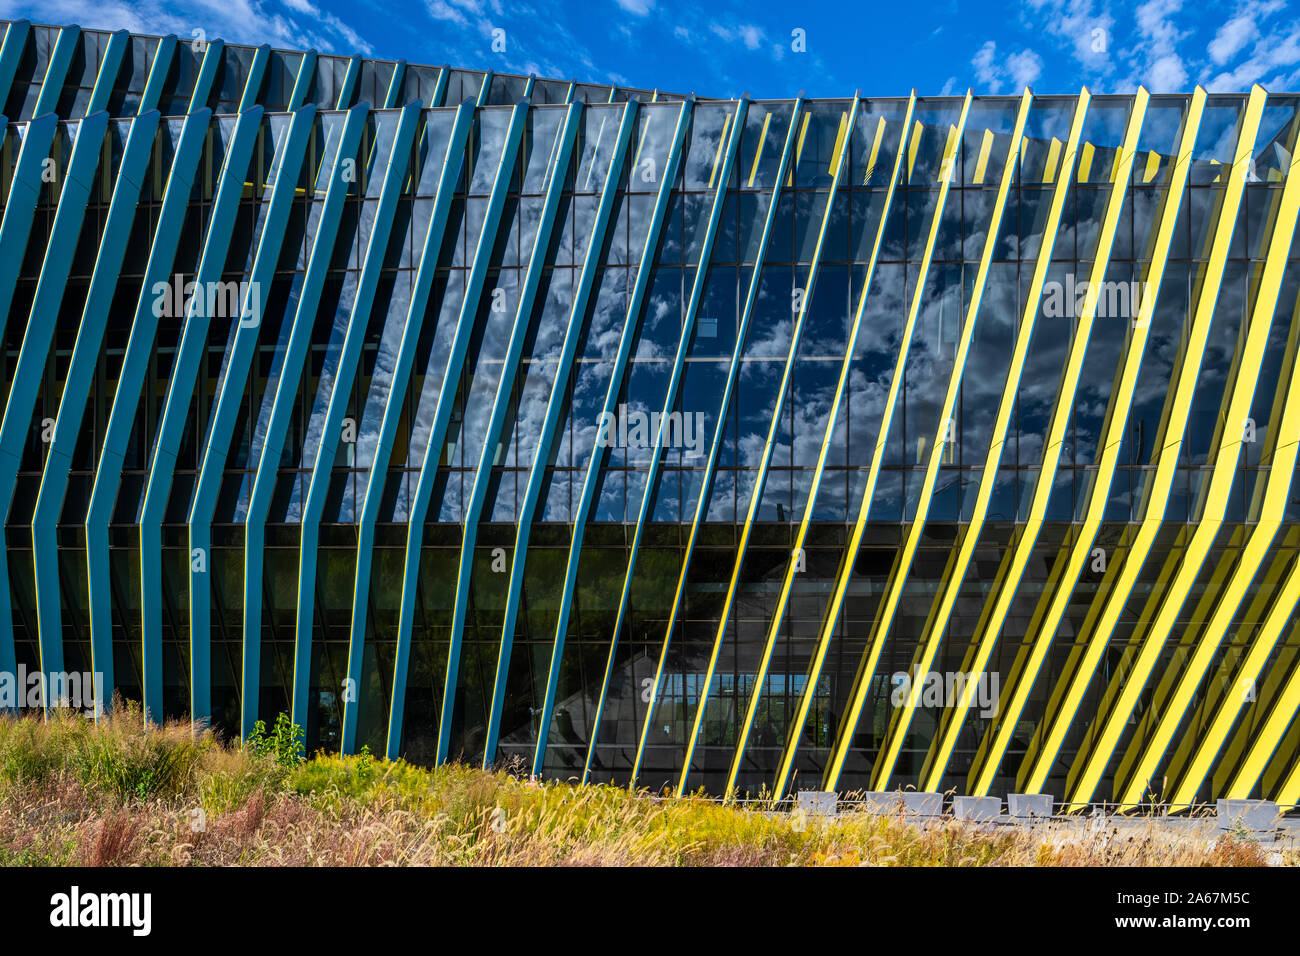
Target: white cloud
[1019,69]
[1025,67]
[751,36]
[1155,23]
[639,8]
[355,43]
[1232,38]
[1086,32]
[1273,64]
[1163,70]
[986,71]
[1273,59]
[295,24]
[440,10]
[1167,75]
[1162,44]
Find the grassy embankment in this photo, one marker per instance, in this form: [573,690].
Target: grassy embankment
[75,792]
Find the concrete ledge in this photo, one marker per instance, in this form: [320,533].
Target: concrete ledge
[923,803]
[1029,805]
[917,803]
[1256,815]
[976,808]
[882,801]
[822,803]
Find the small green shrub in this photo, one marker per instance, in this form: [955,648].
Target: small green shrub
[284,744]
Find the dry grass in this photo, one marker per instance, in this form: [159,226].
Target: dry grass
[72,792]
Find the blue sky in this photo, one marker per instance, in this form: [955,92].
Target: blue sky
[768,48]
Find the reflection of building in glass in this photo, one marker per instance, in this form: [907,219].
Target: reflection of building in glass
[374,494]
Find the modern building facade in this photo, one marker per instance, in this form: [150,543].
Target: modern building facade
[944,442]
